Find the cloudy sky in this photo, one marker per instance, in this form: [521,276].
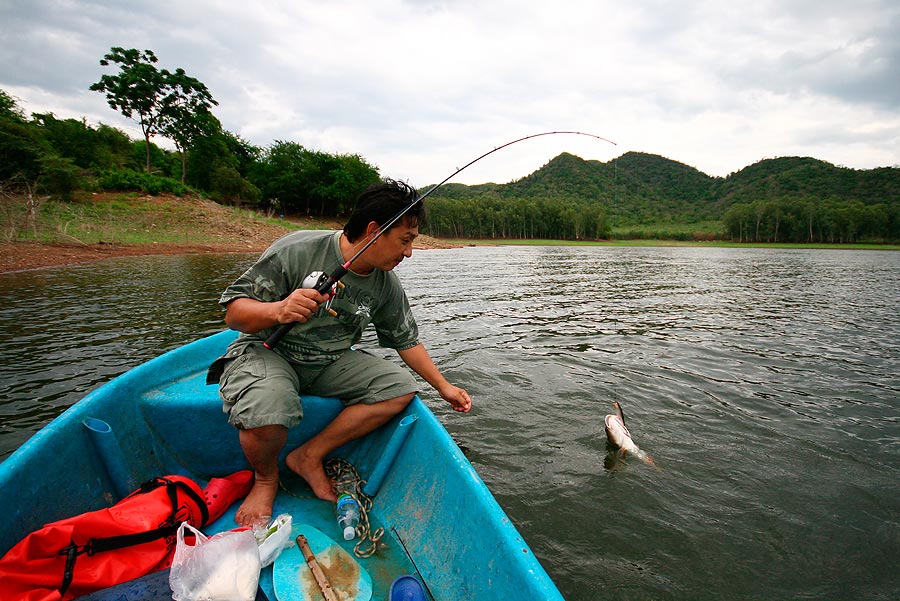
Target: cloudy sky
[421,87]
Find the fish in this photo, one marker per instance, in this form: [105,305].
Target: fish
[620,438]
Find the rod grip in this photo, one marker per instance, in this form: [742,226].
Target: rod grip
[273,340]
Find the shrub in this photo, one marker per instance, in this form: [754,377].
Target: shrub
[229,186]
[59,176]
[123,180]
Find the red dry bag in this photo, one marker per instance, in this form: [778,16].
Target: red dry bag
[99,549]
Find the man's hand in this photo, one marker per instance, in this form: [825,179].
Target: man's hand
[457,397]
[299,306]
[420,362]
[250,316]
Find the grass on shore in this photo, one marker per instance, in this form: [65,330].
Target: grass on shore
[132,218]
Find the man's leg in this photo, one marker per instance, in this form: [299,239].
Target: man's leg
[351,423]
[259,391]
[261,446]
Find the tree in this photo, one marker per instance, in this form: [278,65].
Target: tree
[206,155]
[279,176]
[161,102]
[9,108]
[310,182]
[138,91]
[71,138]
[114,147]
[356,175]
[21,143]
[219,163]
[336,180]
[185,114]
[243,152]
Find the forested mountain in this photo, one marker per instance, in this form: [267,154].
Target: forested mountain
[636,187]
[787,199]
[803,176]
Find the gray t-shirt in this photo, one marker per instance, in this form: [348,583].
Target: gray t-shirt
[376,298]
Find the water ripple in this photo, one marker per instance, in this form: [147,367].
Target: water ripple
[763,382]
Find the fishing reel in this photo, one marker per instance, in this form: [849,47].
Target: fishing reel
[323,283]
[315,280]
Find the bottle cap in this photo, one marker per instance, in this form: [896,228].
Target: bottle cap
[349,533]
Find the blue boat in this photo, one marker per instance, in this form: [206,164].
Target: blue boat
[442,525]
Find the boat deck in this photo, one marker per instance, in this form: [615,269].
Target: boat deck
[295,497]
[390,562]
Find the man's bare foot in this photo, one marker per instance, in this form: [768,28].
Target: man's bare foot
[311,470]
[257,506]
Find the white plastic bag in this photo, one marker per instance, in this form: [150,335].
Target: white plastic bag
[273,538]
[224,567]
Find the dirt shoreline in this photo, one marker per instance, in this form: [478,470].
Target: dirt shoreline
[23,256]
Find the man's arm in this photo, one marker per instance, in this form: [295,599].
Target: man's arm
[250,316]
[418,359]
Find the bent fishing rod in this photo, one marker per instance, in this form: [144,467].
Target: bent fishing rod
[326,282]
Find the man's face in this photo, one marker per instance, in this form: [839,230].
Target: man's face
[393,246]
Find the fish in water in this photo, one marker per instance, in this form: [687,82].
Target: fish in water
[620,438]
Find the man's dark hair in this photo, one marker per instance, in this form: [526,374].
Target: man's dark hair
[380,203]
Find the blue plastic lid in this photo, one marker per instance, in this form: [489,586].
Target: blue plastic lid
[407,588]
[346,499]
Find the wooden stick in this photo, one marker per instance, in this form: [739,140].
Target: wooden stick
[314,567]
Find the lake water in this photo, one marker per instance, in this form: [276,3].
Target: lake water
[763,382]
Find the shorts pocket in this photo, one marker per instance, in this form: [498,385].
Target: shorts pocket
[239,374]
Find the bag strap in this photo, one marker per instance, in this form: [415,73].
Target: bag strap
[112,543]
[152,485]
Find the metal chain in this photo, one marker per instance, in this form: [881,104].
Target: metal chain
[345,479]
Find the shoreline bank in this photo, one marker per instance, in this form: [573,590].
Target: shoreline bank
[26,256]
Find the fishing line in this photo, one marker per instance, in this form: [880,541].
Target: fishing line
[326,282]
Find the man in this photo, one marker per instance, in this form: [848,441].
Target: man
[260,387]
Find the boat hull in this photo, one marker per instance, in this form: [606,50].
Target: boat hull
[441,522]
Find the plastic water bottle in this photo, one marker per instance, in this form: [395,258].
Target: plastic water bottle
[347,515]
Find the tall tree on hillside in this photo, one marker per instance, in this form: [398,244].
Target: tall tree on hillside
[9,108]
[279,174]
[138,91]
[188,119]
[153,98]
[21,143]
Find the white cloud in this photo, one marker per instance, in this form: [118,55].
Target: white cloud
[421,87]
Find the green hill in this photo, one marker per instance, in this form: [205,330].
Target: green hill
[791,177]
[640,192]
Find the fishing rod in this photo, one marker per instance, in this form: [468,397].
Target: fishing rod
[326,283]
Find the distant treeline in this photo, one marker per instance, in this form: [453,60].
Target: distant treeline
[806,220]
[60,156]
[640,195]
[517,218]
